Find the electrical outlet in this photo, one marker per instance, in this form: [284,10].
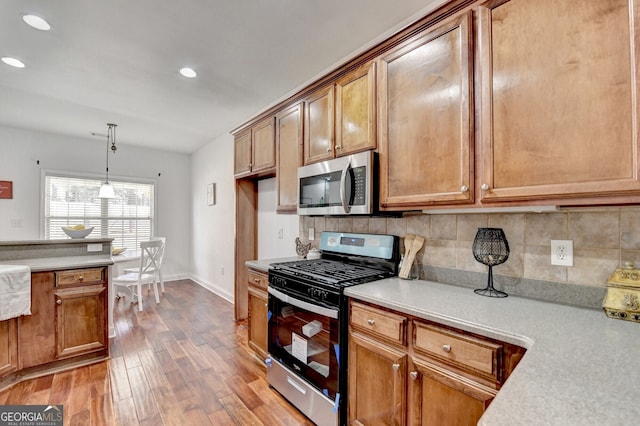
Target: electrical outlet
[94,247]
[562,252]
[280,233]
[312,234]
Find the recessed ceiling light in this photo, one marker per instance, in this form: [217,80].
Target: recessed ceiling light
[188,72]
[13,62]
[36,22]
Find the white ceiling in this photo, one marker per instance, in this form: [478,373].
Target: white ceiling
[117,61]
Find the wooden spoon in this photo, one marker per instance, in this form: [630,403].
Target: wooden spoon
[406,267]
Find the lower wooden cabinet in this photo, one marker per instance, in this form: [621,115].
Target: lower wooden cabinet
[422,373]
[377,382]
[68,316]
[8,346]
[257,322]
[80,320]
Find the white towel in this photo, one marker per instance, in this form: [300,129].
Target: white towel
[15,291]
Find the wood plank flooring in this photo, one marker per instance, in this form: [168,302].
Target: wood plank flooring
[182,362]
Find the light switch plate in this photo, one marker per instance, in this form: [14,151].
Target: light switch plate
[94,247]
[312,234]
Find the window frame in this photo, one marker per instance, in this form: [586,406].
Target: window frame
[95,176]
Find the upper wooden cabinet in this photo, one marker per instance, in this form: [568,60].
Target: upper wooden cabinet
[254,149]
[288,158]
[426,118]
[318,125]
[559,97]
[340,119]
[355,110]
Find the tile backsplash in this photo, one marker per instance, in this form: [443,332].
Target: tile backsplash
[603,239]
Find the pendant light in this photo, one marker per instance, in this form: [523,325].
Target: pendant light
[106,190]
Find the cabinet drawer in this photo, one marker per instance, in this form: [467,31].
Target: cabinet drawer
[258,279]
[379,323]
[456,348]
[79,277]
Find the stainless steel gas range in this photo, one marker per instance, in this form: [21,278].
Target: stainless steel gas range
[308,320]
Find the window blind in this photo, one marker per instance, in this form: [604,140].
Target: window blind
[128,218]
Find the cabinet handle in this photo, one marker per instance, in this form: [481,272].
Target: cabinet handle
[371,322]
[464,188]
[256,280]
[484,186]
[413,375]
[396,367]
[446,348]
[59,302]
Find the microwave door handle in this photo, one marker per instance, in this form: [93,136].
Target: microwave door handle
[343,192]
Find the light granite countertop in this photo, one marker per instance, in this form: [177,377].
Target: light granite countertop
[263,264]
[63,262]
[580,368]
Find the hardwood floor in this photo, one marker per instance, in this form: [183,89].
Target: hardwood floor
[182,362]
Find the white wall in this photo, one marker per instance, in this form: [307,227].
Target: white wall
[276,232]
[214,226]
[21,149]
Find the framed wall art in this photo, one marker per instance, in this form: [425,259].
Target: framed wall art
[6,189]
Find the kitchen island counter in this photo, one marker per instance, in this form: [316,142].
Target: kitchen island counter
[580,368]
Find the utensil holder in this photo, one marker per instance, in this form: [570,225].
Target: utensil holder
[414,272]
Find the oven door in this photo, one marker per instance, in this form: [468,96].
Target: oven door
[304,337]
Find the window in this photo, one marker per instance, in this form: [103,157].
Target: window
[73,200]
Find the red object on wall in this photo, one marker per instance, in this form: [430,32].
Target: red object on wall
[6,189]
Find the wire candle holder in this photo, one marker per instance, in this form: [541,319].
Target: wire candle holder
[490,247]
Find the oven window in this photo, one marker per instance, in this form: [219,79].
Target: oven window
[306,342]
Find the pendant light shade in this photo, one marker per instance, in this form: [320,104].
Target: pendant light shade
[106,190]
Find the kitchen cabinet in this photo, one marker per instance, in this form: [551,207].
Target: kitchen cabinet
[8,346]
[339,118]
[405,370]
[68,316]
[558,116]
[257,312]
[425,120]
[254,149]
[288,157]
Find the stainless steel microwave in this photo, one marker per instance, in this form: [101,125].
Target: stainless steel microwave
[340,186]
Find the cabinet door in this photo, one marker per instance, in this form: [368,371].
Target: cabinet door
[258,321]
[426,119]
[441,398]
[559,114]
[318,125]
[80,320]
[36,332]
[263,145]
[8,346]
[289,158]
[377,383]
[242,153]
[355,111]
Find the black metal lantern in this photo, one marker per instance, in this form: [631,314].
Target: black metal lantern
[490,247]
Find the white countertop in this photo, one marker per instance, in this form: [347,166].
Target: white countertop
[580,368]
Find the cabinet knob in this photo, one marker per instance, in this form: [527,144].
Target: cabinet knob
[413,375]
[371,322]
[328,149]
[484,186]
[80,278]
[338,147]
[446,348]
[396,367]
[256,280]
[266,305]
[59,302]
[464,188]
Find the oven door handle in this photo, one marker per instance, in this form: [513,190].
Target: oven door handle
[320,310]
